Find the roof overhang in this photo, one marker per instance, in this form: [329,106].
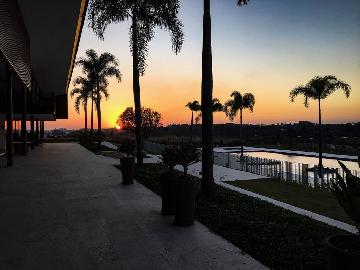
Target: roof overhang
[54,29]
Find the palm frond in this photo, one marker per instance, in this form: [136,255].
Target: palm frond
[242,2]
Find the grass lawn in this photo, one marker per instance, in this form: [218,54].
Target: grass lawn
[316,200]
[275,236]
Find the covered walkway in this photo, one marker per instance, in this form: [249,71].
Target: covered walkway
[65,209]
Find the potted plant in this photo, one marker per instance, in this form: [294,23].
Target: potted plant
[167,181]
[127,163]
[185,155]
[344,250]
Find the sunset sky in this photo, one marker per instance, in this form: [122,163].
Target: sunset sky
[267,48]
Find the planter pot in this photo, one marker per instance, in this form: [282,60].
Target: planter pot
[185,190]
[127,166]
[343,252]
[167,186]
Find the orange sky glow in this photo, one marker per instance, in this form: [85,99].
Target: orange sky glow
[266,61]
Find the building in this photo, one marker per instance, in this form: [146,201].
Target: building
[38,45]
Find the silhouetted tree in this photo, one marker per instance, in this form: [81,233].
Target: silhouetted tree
[319,88]
[150,120]
[144,16]
[206,101]
[194,107]
[237,104]
[83,91]
[216,107]
[98,69]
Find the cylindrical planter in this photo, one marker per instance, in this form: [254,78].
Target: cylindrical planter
[167,186]
[185,190]
[343,252]
[127,167]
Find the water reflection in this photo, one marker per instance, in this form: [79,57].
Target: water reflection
[330,163]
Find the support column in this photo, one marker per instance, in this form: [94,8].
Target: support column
[32,132]
[23,125]
[9,118]
[36,141]
[42,131]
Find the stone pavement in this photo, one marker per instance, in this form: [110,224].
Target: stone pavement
[62,207]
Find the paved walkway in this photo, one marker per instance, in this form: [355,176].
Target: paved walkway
[63,207]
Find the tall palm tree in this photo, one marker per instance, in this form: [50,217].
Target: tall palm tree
[83,91]
[319,88]
[144,16]
[206,100]
[194,108]
[237,104]
[98,69]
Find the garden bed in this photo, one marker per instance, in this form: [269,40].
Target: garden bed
[316,200]
[275,236]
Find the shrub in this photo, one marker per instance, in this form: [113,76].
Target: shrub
[347,191]
[168,156]
[186,154]
[127,147]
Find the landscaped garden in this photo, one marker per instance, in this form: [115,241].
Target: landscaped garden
[316,200]
[277,237]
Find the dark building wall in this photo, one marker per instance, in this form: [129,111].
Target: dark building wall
[14,41]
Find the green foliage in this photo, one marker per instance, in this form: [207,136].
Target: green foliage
[186,154]
[127,147]
[258,228]
[347,191]
[168,157]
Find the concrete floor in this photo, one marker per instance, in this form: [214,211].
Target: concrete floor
[63,207]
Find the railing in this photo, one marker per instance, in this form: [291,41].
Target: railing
[286,171]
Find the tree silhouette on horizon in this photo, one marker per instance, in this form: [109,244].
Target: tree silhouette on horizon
[144,17]
[206,101]
[238,103]
[98,68]
[319,88]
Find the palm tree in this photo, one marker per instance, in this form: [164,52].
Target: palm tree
[83,91]
[194,107]
[98,69]
[206,100]
[144,16]
[237,104]
[319,88]
[216,107]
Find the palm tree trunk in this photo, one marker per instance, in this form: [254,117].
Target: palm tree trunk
[206,108]
[136,89]
[98,108]
[86,120]
[240,133]
[320,144]
[92,115]
[191,126]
